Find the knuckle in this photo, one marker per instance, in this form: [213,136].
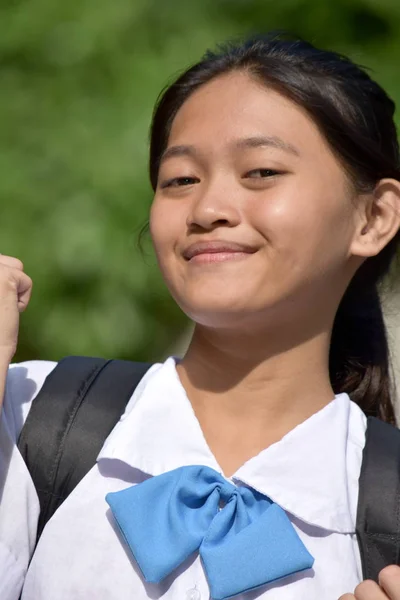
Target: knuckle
[18,264]
[11,262]
[10,279]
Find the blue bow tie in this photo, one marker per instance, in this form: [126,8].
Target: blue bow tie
[244,539]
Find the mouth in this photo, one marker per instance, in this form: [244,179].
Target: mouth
[217,251]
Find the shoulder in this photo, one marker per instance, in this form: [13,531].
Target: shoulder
[24,381]
[357,426]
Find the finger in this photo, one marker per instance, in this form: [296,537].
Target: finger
[12,262]
[369,590]
[389,580]
[24,292]
[17,284]
[347,597]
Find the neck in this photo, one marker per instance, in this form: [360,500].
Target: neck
[258,388]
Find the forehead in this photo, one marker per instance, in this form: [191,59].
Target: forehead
[234,106]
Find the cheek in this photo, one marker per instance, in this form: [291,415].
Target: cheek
[166,224]
[302,226]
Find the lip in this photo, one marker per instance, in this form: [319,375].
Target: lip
[216,251]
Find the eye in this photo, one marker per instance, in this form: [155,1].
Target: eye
[261,173]
[179,182]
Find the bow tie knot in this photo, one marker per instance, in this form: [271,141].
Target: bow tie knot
[243,538]
[226,493]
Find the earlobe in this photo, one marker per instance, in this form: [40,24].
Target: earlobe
[380,219]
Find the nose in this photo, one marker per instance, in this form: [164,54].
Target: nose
[213,207]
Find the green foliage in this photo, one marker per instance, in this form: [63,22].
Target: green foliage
[78,85]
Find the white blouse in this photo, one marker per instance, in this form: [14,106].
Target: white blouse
[312,473]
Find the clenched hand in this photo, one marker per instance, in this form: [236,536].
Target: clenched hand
[388,588]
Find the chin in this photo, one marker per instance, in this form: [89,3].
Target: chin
[219,312]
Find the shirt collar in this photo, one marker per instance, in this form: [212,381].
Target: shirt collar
[308,472]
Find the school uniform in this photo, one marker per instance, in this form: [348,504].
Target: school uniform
[312,474]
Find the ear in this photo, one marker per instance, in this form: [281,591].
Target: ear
[378,219]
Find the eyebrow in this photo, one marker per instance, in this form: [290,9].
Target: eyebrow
[267,141]
[251,142]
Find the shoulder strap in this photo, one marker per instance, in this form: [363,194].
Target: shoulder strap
[378,513]
[74,412]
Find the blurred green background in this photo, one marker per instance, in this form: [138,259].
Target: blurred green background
[78,81]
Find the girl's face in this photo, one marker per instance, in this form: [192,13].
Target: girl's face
[253,217]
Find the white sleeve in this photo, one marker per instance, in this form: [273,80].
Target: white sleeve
[19,504]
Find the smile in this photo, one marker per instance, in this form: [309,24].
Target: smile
[217,251]
[218,257]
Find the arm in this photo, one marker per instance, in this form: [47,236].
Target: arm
[18,500]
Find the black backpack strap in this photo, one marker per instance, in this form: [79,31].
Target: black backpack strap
[74,412]
[378,513]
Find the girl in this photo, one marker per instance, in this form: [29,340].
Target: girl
[234,471]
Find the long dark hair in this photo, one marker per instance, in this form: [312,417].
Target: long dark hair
[356,116]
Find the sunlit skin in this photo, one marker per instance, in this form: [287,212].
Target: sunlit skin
[288,217]
[258,362]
